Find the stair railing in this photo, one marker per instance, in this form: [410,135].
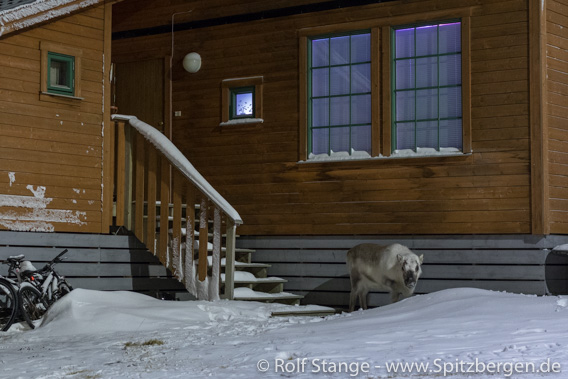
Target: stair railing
[156,191]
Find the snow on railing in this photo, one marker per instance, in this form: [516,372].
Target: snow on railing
[143,159]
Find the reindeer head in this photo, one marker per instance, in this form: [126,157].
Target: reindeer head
[411,270]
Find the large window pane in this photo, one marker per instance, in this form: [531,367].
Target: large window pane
[361,78]
[450,70]
[320,141]
[339,110]
[361,138]
[450,102]
[451,133]
[320,112]
[427,134]
[339,50]
[361,109]
[426,104]
[427,72]
[405,136]
[320,52]
[339,139]
[320,82]
[360,51]
[405,106]
[404,43]
[427,40]
[450,38]
[405,74]
[339,80]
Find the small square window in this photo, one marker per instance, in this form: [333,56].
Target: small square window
[60,74]
[242,103]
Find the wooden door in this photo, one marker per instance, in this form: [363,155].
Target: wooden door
[139,91]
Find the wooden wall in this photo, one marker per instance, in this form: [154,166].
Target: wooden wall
[51,149]
[256,169]
[557,111]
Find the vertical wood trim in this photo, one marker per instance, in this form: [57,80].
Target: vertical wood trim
[110,174]
[168,130]
[303,100]
[164,209]
[139,208]
[150,240]
[176,226]
[258,96]
[107,163]
[120,173]
[188,270]
[229,292]
[386,86]
[225,101]
[128,177]
[375,92]
[466,84]
[203,230]
[216,259]
[540,206]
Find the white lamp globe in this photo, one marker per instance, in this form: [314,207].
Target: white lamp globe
[192,62]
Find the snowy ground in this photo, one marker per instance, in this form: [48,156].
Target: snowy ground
[92,334]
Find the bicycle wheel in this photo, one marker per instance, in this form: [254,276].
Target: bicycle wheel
[8,305]
[32,305]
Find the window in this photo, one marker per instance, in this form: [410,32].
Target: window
[426,87]
[60,74]
[241,101]
[369,89]
[339,94]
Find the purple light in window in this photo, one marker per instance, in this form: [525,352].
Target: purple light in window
[453,23]
[426,27]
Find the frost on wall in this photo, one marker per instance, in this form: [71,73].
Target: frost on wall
[35,217]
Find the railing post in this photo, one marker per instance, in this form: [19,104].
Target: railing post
[230,260]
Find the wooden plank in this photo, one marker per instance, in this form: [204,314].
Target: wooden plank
[108,125]
[139,197]
[150,236]
[216,253]
[303,99]
[539,138]
[203,231]
[229,291]
[176,265]
[120,174]
[164,211]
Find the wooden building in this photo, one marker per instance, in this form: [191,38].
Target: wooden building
[435,123]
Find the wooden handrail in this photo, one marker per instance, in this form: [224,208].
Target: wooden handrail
[151,173]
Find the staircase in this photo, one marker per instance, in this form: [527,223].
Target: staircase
[197,243]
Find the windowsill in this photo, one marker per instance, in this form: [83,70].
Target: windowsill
[242,121]
[396,155]
[42,93]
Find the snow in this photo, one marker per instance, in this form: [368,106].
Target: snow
[242,121]
[109,335]
[177,159]
[363,155]
[39,11]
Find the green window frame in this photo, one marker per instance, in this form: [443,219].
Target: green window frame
[339,93]
[426,91]
[60,74]
[242,103]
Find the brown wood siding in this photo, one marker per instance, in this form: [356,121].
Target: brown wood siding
[53,142]
[557,111]
[257,171]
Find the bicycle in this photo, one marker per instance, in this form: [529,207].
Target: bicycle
[8,303]
[29,299]
[47,281]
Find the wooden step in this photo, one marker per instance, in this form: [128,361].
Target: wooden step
[305,311]
[247,294]
[243,277]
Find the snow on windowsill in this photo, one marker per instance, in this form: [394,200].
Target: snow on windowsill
[242,121]
[363,155]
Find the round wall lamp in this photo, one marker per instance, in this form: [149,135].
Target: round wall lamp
[192,62]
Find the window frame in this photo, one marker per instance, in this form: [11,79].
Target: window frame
[233,104]
[381,71]
[69,61]
[415,88]
[329,96]
[228,86]
[46,92]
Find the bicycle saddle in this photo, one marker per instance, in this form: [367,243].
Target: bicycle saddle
[16,258]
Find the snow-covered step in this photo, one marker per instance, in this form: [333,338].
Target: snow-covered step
[247,294]
[304,310]
[244,277]
[239,265]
